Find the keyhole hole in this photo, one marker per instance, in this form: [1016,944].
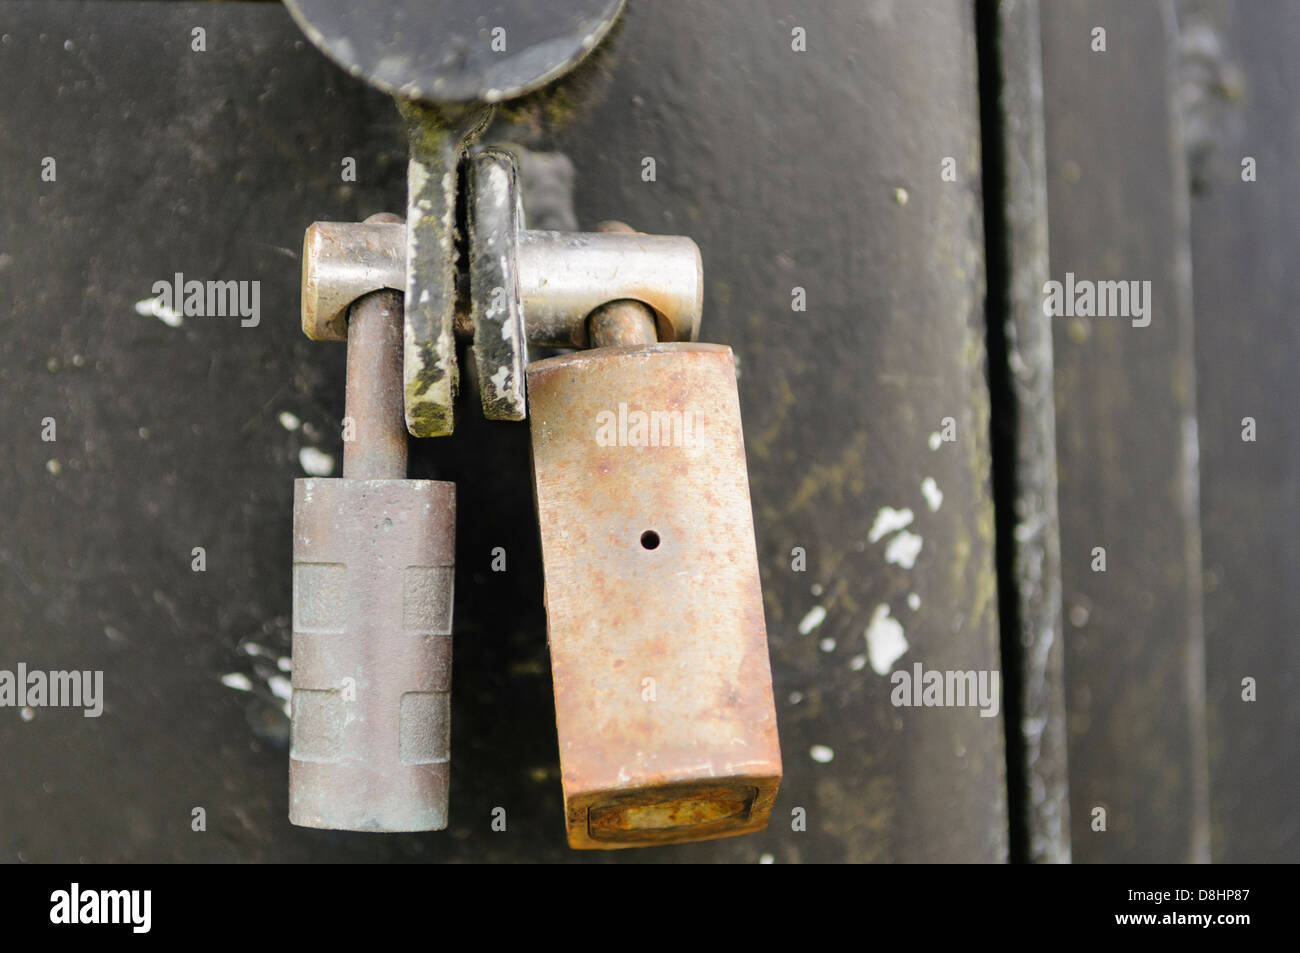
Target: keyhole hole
[650,539]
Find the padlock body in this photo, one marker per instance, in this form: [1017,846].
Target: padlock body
[663,688]
[373,562]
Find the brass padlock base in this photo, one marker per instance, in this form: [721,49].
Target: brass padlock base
[663,689]
[672,813]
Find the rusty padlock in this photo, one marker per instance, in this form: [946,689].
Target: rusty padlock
[373,561]
[663,687]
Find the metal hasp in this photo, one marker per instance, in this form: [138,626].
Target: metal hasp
[447,62]
[526,287]
[663,690]
[587,270]
[373,562]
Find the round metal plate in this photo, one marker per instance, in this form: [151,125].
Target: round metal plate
[452,50]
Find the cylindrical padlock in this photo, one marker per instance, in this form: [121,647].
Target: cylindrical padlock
[373,560]
[663,687]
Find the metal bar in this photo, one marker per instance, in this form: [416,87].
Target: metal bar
[374,441]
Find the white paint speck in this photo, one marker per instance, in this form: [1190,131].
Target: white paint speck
[238,682]
[903,549]
[284,664]
[858,663]
[885,641]
[827,645]
[913,601]
[822,754]
[289,421]
[815,617]
[54,466]
[767,859]
[933,495]
[887,521]
[936,440]
[154,307]
[282,689]
[796,698]
[817,589]
[26,713]
[316,462]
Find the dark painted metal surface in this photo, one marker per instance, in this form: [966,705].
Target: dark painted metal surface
[493,209]
[171,437]
[1126,438]
[1240,78]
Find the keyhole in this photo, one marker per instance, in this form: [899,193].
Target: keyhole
[650,539]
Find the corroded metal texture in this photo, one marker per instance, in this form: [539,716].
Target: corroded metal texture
[500,347]
[437,140]
[663,690]
[370,740]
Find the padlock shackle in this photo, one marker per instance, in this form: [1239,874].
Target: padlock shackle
[374,432]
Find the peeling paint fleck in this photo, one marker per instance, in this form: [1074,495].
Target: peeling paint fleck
[933,495]
[154,307]
[815,617]
[238,682]
[316,462]
[903,549]
[885,641]
[282,689]
[888,520]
